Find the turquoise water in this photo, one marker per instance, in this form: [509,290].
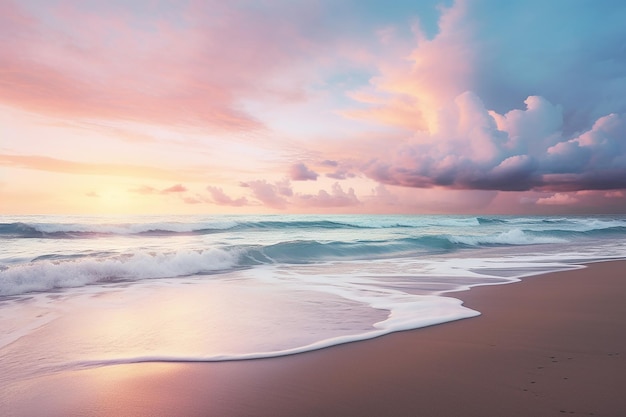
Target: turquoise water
[91,291]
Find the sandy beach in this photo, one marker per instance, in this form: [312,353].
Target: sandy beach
[552,345]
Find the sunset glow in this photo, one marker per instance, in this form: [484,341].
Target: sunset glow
[204,106]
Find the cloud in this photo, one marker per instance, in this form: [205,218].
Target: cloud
[340,174]
[220,198]
[382,196]
[280,195]
[580,202]
[336,198]
[148,190]
[458,94]
[178,188]
[473,148]
[615,194]
[271,195]
[409,90]
[116,62]
[557,199]
[300,172]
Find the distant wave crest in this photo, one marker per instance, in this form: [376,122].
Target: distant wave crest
[90,230]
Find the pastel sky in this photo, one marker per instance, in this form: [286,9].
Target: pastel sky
[320,106]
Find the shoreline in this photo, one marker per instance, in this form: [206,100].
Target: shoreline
[552,344]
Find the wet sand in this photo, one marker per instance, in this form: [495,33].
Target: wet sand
[552,345]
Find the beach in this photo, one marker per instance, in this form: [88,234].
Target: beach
[551,345]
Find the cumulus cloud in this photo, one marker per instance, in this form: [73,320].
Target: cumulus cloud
[272,195]
[219,197]
[473,148]
[459,96]
[336,198]
[300,172]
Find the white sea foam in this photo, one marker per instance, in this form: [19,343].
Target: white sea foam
[47,275]
[510,237]
[277,285]
[130,228]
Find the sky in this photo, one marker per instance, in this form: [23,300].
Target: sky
[312,106]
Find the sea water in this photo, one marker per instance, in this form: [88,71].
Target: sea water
[79,292]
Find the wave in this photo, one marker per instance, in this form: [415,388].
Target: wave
[50,271]
[146,250]
[307,251]
[53,273]
[64,230]
[87,230]
[513,237]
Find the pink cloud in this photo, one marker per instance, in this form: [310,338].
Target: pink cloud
[615,194]
[474,148]
[340,174]
[336,198]
[582,202]
[410,91]
[178,188]
[271,195]
[558,199]
[300,172]
[454,140]
[220,198]
[189,67]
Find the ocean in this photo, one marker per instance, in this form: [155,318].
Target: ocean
[79,292]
